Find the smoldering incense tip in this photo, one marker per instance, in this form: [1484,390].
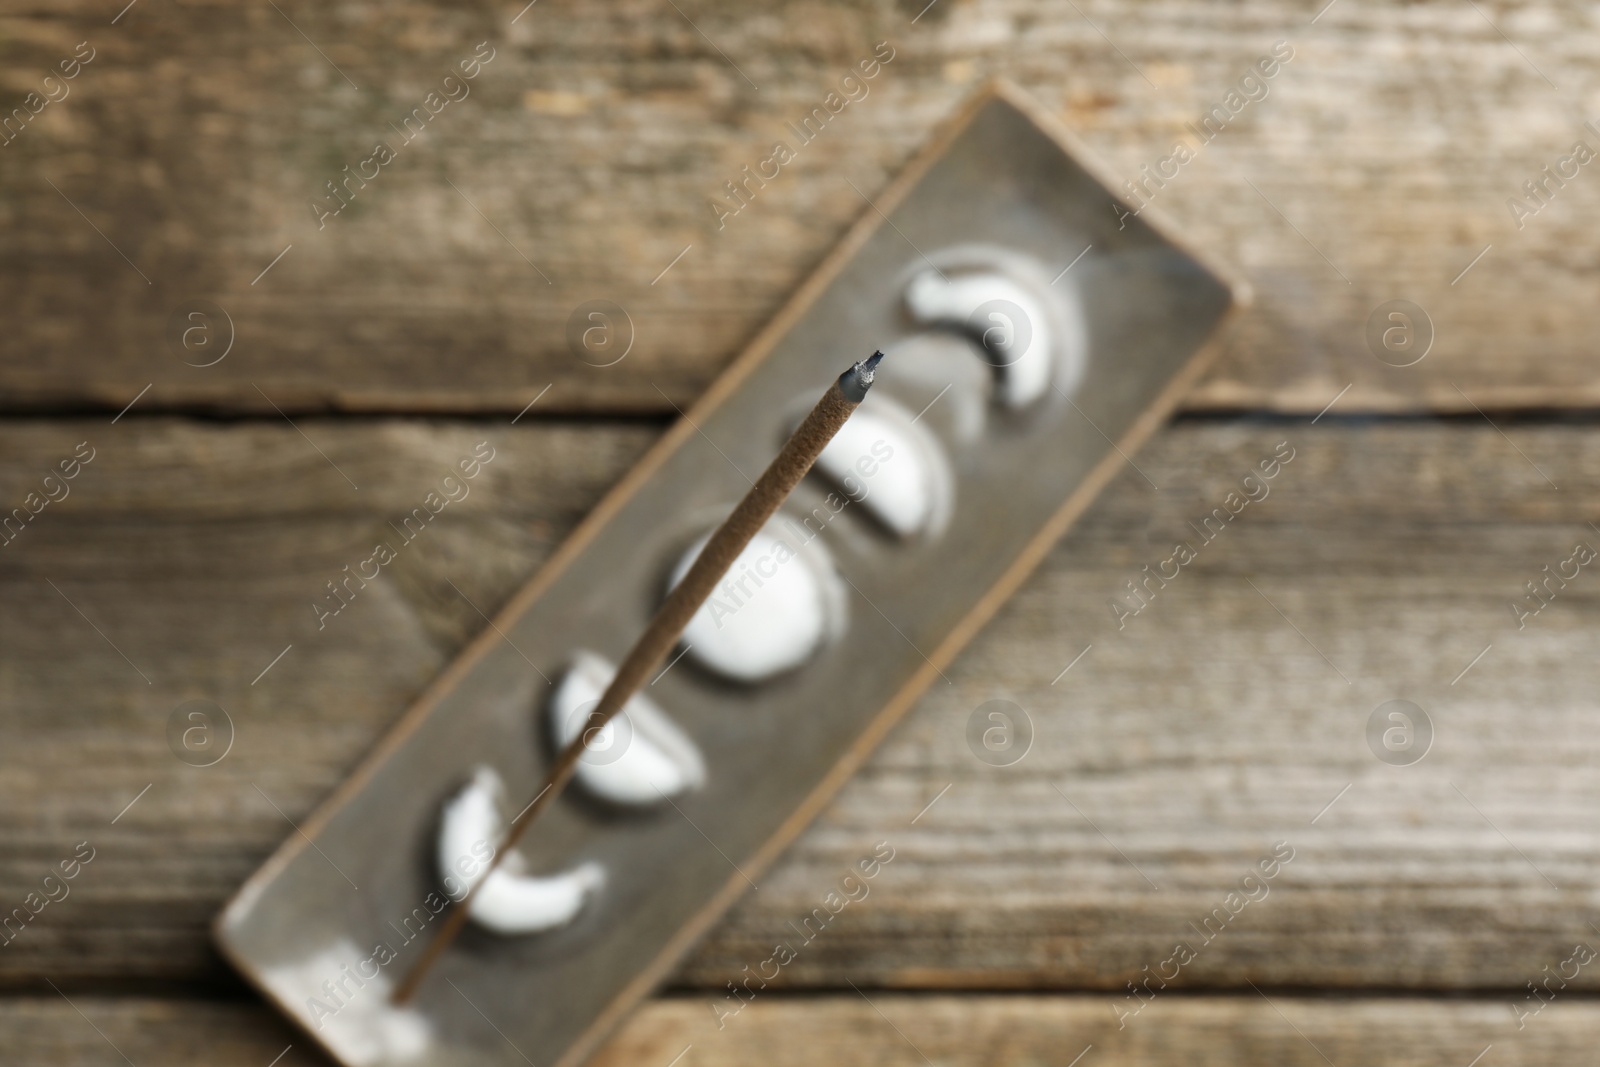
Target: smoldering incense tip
[855,382]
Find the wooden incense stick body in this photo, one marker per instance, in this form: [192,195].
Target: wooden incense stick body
[768,493]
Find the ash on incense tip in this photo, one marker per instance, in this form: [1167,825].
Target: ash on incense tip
[855,382]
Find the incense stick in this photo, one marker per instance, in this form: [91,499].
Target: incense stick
[721,551]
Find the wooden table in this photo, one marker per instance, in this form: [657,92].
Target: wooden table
[1227,716]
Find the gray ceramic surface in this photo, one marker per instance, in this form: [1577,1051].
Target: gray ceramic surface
[997,180]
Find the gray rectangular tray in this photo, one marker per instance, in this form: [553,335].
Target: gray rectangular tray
[1001,174]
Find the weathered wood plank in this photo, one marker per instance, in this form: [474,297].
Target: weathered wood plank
[1178,750]
[1193,1031]
[891,1029]
[588,152]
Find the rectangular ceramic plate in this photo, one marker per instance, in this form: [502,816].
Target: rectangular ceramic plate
[1000,175]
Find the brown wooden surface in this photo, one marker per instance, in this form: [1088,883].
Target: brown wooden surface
[585,155]
[881,1028]
[1221,720]
[1185,745]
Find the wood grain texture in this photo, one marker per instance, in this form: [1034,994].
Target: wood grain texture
[890,1030]
[584,160]
[1221,719]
